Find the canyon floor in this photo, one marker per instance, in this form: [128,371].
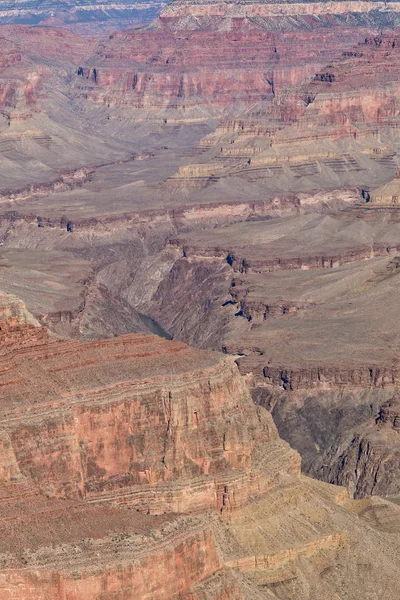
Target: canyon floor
[228,176]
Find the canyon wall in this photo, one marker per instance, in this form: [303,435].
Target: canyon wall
[166,68]
[303,330]
[141,468]
[214,173]
[126,451]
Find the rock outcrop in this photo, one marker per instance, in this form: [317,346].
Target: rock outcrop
[12,308]
[140,468]
[324,130]
[126,451]
[303,326]
[114,154]
[85,17]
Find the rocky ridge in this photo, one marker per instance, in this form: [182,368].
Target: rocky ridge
[145,116]
[264,309]
[140,423]
[87,18]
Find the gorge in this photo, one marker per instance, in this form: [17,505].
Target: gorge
[226,176]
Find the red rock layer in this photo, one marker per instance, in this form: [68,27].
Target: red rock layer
[173,66]
[52,549]
[91,430]
[133,420]
[362,87]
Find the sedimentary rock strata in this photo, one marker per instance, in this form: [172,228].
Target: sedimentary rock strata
[227,177]
[172,64]
[106,447]
[316,133]
[309,330]
[85,17]
[110,444]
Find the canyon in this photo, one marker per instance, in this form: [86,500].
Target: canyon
[227,176]
[85,18]
[137,466]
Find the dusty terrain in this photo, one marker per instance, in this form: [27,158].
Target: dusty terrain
[140,467]
[227,176]
[81,16]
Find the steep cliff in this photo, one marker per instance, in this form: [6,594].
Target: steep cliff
[80,15]
[307,305]
[107,447]
[123,450]
[190,68]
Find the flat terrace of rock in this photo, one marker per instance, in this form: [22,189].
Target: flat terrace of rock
[40,370]
[319,294]
[305,241]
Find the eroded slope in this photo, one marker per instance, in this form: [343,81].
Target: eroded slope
[141,423]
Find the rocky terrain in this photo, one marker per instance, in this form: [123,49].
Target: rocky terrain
[139,466]
[313,324]
[227,176]
[144,116]
[86,18]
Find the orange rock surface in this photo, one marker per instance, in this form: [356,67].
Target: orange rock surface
[124,420]
[107,447]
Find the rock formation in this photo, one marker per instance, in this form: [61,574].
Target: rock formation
[88,18]
[188,68]
[140,467]
[110,445]
[12,308]
[228,172]
[263,291]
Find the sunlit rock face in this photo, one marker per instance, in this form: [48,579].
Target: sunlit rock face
[127,430]
[136,460]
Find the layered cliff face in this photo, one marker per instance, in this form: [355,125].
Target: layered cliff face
[387,195]
[81,16]
[333,10]
[185,68]
[30,59]
[115,154]
[110,445]
[216,59]
[367,462]
[308,306]
[337,128]
[290,112]
[140,467]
